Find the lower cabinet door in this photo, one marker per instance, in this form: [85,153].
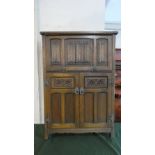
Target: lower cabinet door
[95,100]
[62,101]
[80,100]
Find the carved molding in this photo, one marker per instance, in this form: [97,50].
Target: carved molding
[95,82]
[55,51]
[78,51]
[102,51]
[63,83]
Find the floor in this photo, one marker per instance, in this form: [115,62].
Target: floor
[77,144]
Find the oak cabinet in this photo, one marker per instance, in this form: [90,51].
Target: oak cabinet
[78,81]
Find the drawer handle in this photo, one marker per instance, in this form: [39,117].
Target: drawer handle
[81,91]
[76,90]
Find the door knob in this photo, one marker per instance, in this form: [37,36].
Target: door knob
[76,90]
[81,91]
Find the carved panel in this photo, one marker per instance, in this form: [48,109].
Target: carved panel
[102,51]
[62,82]
[55,106]
[55,51]
[89,107]
[70,108]
[101,107]
[78,51]
[96,82]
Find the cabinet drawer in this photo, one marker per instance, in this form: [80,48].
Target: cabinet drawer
[62,80]
[96,82]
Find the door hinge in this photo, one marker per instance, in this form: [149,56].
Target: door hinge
[47,83]
[48,120]
[110,120]
[81,91]
[111,82]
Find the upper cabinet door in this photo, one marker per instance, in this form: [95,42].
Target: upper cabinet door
[53,56]
[103,53]
[81,53]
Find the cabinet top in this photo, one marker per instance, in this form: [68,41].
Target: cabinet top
[53,33]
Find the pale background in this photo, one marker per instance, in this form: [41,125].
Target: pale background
[69,15]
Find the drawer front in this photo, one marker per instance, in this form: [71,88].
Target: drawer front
[96,82]
[62,82]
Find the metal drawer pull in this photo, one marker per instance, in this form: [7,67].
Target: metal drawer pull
[76,90]
[81,91]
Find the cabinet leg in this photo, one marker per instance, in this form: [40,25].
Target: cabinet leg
[46,136]
[112,135]
[46,132]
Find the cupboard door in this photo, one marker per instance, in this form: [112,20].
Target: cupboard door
[62,102]
[81,53]
[104,53]
[53,57]
[95,100]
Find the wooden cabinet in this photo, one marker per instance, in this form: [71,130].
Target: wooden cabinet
[78,81]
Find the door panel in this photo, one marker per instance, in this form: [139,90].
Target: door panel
[55,107]
[78,51]
[88,107]
[63,103]
[104,53]
[70,107]
[95,102]
[54,54]
[101,106]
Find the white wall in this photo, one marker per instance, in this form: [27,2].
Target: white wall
[71,15]
[113,18]
[116,26]
[113,11]
[62,15]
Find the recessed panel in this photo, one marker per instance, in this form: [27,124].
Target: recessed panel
[101,107]
[56,108]
[78,51]
[63,82]
[96,82]
[55,52]
[89,107]
[102,51]
[70,108]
